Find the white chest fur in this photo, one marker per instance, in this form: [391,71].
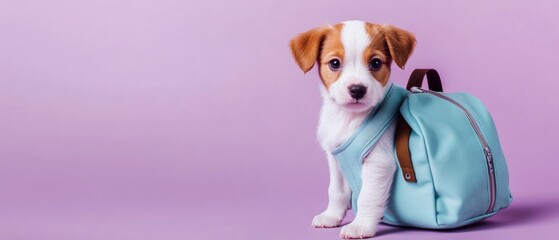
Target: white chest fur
[337,124]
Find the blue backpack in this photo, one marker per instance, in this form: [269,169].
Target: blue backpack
[451,168]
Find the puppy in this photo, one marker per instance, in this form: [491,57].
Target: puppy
[354,61]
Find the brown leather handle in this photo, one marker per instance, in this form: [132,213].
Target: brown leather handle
[403,129]
[433,78]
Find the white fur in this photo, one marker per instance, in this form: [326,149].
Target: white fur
[337,123]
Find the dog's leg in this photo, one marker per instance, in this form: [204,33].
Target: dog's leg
[377,175]
[339,196]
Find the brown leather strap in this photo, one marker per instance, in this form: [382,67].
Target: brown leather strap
[403,129]
[433,78]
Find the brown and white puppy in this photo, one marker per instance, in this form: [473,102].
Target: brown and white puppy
[354,62]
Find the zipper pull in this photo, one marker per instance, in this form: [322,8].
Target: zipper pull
[489,159]
[416,90]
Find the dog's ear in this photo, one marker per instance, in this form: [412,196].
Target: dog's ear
[305,47]
[400,44]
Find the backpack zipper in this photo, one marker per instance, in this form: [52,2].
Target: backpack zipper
[486,149]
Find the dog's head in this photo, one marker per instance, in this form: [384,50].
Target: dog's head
[354,60]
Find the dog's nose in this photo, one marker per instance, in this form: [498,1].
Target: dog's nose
[357,91]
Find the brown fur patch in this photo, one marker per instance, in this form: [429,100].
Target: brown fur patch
[305,47]
[332,48]
[378,49]
[400,42]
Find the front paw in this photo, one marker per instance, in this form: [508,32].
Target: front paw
[357,231]
[324,220]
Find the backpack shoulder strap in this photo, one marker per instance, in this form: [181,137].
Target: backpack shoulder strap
[350,154]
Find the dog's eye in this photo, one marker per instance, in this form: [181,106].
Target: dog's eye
[375,64]
[334,64]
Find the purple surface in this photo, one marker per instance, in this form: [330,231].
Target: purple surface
[189,119]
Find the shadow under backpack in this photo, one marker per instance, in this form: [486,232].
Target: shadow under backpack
[458,175]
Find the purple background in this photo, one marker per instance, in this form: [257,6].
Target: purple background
[169,119]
